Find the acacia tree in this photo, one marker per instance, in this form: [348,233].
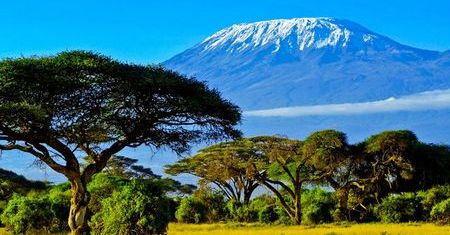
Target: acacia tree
[283,170]
[225,165]
[373,167]
[335,164]
[80,103]
[387,159]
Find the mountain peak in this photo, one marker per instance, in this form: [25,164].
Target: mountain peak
[297,33]
[306,61]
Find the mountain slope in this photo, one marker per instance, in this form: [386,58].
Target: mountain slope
[308,61]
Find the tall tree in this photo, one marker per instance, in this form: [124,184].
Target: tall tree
[225,165]
[81,103]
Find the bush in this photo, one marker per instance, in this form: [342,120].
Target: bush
[137,208]
[264,207]
[205,205]
[268,215]
[400,208]
[435,195]
[43,212]
[102,186]
[238,212]
[191,210]
[317,206]
[441,212]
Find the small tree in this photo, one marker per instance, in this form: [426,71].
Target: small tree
[387,160]
[282,169]
[225,165]
[329,155]
[81,103]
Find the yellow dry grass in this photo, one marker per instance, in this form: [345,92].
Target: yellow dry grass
[350,229]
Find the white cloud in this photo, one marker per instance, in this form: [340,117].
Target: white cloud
[430,100]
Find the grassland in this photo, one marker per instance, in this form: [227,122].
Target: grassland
[347,229]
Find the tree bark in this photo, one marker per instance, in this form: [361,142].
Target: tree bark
[298,205]
[342,196]
[79,211]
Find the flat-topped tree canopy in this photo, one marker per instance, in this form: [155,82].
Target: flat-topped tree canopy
[226,165]
[53,106]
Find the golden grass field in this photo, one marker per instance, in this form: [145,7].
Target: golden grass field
[350,229]
[347,229]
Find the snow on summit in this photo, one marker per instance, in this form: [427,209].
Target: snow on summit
[310,61]
[300,33]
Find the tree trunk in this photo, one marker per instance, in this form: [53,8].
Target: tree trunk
[79,212]
[247,196]
[342,196]
[298,205]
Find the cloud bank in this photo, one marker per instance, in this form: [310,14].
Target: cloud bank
[430,100]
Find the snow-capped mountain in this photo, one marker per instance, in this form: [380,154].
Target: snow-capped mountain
[308,61]
[297,35]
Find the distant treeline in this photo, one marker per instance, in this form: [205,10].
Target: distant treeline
[370,180]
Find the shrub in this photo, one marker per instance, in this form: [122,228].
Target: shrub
[317,206]
[264,207]
[435,195]
[191,210]
[25,213]
[268,215]
[102,186]
[205,205]
[239,212]
[137,208]
[405,207]
[441,212]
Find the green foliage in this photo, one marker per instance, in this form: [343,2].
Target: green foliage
[214,202]
[392,151]
[11,183]
[405,207]
[42,95]
[44,212]
[266,208]
[317,206]
[103,186]
[139,207]
[268,215]
[441,212]
[325,150]
[205,205]
[238,212]
[191,210]
[227,165]
[435,195]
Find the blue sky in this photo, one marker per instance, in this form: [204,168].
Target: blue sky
[150,31]
[153,31]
